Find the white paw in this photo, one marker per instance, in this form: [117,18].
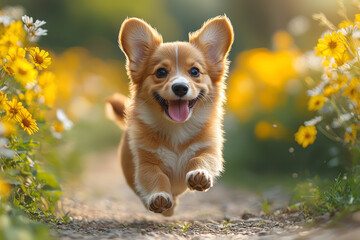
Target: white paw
[199,180]
[160,202]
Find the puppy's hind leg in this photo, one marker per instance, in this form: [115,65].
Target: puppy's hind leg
[152,184]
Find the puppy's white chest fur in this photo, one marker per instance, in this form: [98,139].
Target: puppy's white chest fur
[176,161]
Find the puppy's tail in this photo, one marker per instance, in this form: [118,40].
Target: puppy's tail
[115,108]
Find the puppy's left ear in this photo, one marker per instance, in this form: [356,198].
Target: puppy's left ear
[215,39]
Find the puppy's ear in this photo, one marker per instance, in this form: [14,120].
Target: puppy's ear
[137,40]
[214,39]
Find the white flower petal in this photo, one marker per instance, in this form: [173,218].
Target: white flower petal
[313,121]
[41,32]
[39,23]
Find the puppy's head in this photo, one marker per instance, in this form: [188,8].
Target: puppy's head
[179,78]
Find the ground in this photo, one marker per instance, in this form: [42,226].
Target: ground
[102,206]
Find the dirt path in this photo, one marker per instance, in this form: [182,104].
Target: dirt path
[103,207]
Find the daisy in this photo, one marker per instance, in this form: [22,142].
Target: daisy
[28,22]
[35,35]
[34,28]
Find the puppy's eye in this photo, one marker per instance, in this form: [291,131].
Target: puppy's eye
[194,72]
[161,73]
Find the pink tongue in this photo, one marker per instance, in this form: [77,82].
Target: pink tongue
[178,110]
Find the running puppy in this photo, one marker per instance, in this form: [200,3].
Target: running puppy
[173,137]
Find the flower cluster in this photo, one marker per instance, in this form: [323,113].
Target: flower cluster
[24,84]
[336,96]
[28,91]
[263,79]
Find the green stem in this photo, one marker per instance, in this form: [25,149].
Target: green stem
[337,110]
[326,133]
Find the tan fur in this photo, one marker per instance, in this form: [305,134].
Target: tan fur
[161,158]
[115,109]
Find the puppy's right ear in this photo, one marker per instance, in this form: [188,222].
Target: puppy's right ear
[137,40]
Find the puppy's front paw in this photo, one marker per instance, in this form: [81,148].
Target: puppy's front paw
[160,202]
[199,180]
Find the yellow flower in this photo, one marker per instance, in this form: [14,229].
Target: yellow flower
[8,67]
[282,40]
[13,35]
[40,58]
[326,63]
[306,135]
[242,90]
[316,102]
[58,126]
[351,137]
[330,90]
[14,53]
[27,123]
[14,109]
[342,80]
[8,128]
[3,99]
[353,90]
[357,18]
[29,96]
[332,45]
[24,71]
[48,86]
[7,41]
[263,130]
[345,24]
[4,188]
[342,58]
[17,29]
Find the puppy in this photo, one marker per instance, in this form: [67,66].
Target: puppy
[173,137]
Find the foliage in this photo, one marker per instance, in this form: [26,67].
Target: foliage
[15,225]
[318,196]
[336,100]
[28,90]
[266,207]
[336,96]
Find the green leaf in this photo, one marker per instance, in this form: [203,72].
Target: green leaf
[266,207]
[49,181]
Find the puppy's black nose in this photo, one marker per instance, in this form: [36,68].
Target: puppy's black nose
[180,89]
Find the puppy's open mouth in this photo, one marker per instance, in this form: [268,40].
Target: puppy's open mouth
[177,110]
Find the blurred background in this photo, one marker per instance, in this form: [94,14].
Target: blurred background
[267,100]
